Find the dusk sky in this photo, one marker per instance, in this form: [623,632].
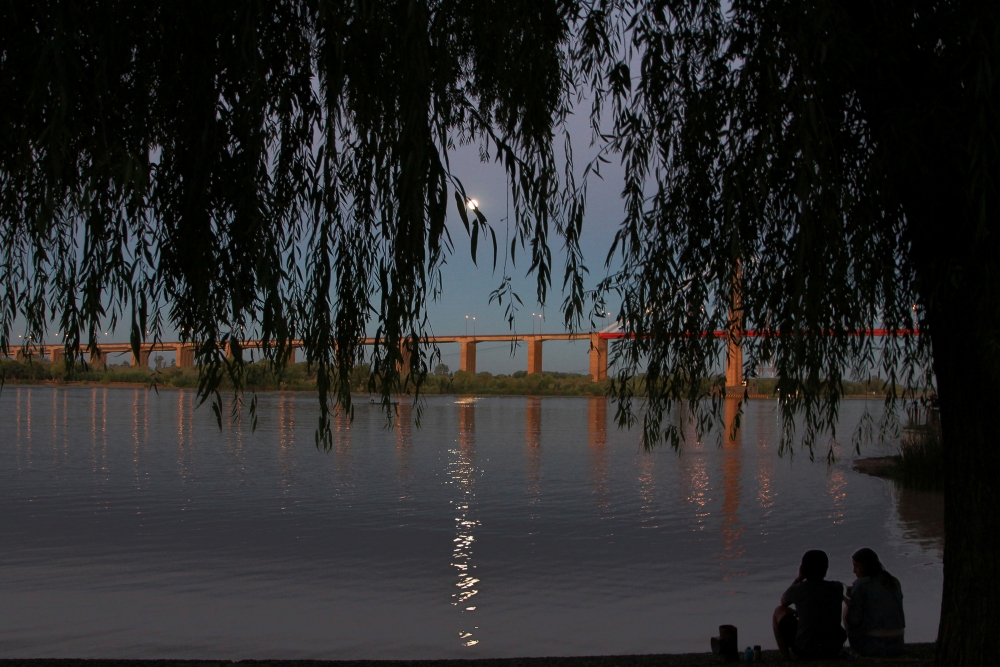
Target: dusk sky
[467,287]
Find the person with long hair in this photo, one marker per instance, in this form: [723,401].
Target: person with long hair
[874,615]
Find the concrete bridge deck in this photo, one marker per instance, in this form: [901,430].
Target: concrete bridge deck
[185,350]
[598,349]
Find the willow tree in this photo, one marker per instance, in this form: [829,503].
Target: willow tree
[280,170]
[812,170]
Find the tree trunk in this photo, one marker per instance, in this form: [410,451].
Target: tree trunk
[957,273]
[969,632]
[929,122]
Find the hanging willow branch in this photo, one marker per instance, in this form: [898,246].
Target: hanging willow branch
[273,170]
[806,170]
[280,170]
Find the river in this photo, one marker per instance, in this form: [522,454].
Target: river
[134,528]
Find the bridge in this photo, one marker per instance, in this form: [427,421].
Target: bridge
[467,358]
[185,350]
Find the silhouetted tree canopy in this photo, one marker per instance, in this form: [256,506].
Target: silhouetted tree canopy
[279,168]
[807,170]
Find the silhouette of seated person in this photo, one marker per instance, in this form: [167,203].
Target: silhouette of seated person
[874,613]
[812,630]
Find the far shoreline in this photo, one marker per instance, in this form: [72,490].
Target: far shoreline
[299,390]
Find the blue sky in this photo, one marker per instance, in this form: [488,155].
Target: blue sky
[467,287]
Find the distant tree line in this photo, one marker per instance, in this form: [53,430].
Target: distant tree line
[266,376]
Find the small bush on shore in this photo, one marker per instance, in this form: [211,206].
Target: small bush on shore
[921,454]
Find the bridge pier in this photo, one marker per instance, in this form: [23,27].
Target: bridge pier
[534,355]
[185,356]
[56,353]
[734,339]
[97,362]
[598,358]
[142,361]
[467,358]
[734,366]
[403,366]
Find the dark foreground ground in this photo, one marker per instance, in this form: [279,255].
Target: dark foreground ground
[915,654]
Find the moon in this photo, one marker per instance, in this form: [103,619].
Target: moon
[472,204]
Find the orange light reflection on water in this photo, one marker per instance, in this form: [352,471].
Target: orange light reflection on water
[404,449]
[732,492]
[533,453]
[597,430]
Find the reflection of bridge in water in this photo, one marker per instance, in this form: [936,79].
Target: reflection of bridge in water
[920,513]
[714,486]
[733,479]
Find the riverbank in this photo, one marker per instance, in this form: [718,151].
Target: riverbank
[878,466]
[919,464]
[361,394]
[262,376]
[915,655]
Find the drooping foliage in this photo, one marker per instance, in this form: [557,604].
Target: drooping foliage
[759,202]
[797,173]
[269,170]
[280,170]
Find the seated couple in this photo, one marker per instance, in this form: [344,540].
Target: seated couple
[873,615]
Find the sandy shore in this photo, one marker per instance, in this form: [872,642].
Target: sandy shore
[915,654]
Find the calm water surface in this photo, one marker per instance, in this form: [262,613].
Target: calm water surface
[133,527]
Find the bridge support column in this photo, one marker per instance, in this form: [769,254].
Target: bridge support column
[57,353]
[291,356]
[97,362]
[734,341]
[534,355]
[598,358]
[734,366]
[403,365]
[185,356]
[467,359]
[142,360]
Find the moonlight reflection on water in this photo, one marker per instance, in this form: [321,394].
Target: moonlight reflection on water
[501,527]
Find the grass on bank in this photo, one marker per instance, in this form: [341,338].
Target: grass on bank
[263,376]
[920,463]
